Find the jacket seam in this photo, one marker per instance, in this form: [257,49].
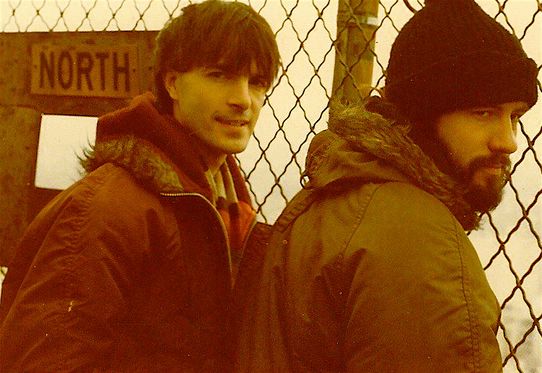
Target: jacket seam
[299,204]
[361,213]
[473,325]
[70,276]
[346,282]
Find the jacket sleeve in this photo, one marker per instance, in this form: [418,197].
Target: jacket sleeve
[67,288]
[419,300]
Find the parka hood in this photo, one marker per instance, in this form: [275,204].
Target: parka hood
[362,145]
[156,150]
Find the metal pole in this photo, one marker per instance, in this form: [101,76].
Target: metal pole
[357,21]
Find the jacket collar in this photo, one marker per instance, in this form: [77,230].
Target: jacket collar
[363,145]
[156,151]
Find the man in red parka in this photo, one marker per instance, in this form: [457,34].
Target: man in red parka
[131,268]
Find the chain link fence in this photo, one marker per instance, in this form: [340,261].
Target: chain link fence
[308,32]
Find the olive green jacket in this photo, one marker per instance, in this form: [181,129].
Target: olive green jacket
[369,268]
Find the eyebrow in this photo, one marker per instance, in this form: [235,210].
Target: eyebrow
[520,107]
[223,66]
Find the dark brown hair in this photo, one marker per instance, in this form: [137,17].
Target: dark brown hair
[210,32]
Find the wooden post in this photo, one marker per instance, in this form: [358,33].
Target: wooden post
[357,21]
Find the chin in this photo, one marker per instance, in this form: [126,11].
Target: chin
[233,151]
[237,148]
[485,198]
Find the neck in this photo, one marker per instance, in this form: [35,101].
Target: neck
[214,162]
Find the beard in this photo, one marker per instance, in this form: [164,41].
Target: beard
[481,198]
[485,198]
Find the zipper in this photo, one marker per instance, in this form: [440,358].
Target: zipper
[247,236]
[218,218]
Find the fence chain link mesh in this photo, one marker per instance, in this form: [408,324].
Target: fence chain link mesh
[510,246]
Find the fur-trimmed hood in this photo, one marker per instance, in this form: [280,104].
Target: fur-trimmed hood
[363,145]
[145,162]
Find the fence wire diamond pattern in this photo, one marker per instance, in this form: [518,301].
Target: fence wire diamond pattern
[297,108]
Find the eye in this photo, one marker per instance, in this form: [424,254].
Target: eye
[259,82]
[216,73]
[219,73]
[485,114]
[482,113]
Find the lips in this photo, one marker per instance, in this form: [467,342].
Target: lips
[497,162]
[232,121]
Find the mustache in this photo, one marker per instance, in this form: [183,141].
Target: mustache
[496,160]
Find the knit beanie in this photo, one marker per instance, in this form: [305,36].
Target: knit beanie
[451,55]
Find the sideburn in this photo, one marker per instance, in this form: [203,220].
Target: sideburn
[424,135]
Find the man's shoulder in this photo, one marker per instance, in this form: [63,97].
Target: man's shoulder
[116,181]
[407,204]
[393,194]
[401,219]
[408,193]
[391,199]
[109,190]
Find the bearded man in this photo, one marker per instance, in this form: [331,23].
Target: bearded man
[369,268]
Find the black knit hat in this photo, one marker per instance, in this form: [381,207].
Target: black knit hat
[451,55]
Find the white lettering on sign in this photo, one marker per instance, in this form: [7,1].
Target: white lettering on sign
[85,70]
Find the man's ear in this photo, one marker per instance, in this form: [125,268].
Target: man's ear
[170,80]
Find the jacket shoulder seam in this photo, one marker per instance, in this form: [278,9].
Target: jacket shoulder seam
[368,195]
[69,278]
[474,334]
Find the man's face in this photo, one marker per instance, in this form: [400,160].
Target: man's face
[478,143]
[217,107]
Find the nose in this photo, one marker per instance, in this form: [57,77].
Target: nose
[239,93]
[503,139]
